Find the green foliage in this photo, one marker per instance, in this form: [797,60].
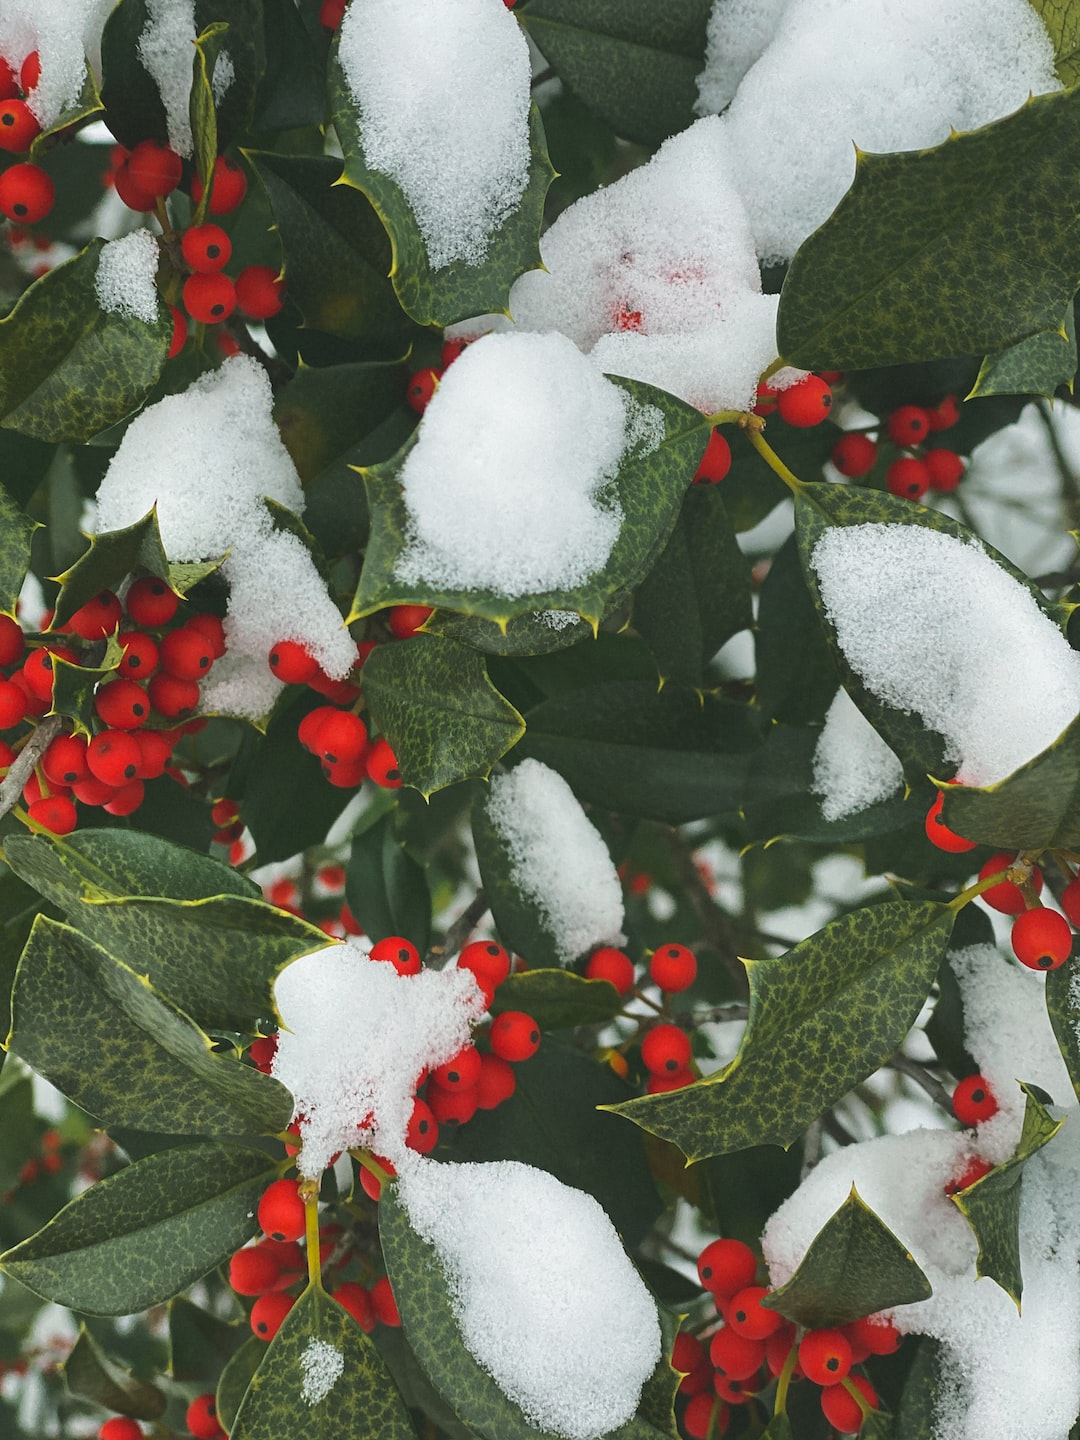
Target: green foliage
[385,886]
[16,531]
[88,1372]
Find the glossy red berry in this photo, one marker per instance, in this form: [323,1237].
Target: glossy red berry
[179,333]
[140,655]
[690,1358]
[726,1266]
[341,738]
[970,1172]
[112,757]
[1070,901]
[612,965]
[354,1299]
[705,1416]
[126,799]
[331,13]
[123,704]
[665,1050]
[30,72]
[254,1270]
[944,415]
[202,1418]
[400,953]
[939,834]
[55,813]
[840,1407]
[211,628]
[307,731]
[514,1035]
[382,765]
[9,81]
[12,705]
[875,1334]
[907,478]
[766,399]
[805,403]
[120,1427]
[406,620]
[422,1131]
[38,672]
[269,1312]
[154,168]
[778,1346]
[461,1071]
[171,696]
[421,387]
[151,602]
[497,1082]
[19,126]
[715,462]
[908,425]
[281,1212]
[129,192]
[260,291]
[973,1101]
[854,454]
[945,467]
[452,1107]
[186,653]
[825,1356]
[228,186]
[209,298]
[487,960]
[12,643]
[99,617]
[735,1356]
[291,663]
[673,968]
[26,193]
[745,1313]
[669,1080]
[64,762]
[206,248]
[383,1303]
[1007,898]
[1041,938]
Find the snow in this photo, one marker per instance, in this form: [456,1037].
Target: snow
[166,49]
[853,766]
[355,1036]
[66,34]
[546,1298]
[934,627]
[557,858]
[739,33]
[321,1366]
[207,457]
[507,487]
[455,139]
[125,277]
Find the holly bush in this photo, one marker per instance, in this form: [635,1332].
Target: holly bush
[672,928]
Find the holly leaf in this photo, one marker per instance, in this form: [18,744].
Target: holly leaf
[929,252]
[322,1367]
[822,1018]
[634,64]
[200,1344]
[142,1235]
[16,533]
[649,485]
[236,1377]
[90,1375]
[917,1414]
[796,679]
[458,290]
[130,94]
[96,1029]
[435,704]
[523,921]
[68,368]
[1039,365]
[386,888]
[74,686]
[1062,993]
[992,1205]
[558,999]
[854,1266]
[1062,21]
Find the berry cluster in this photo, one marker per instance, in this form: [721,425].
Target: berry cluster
[27,193]
[201,1421]
[665,1047]
[916,467]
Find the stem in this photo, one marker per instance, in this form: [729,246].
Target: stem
[922,1077]
[309,1192]
[769,455]
[459,931]
[974,891]
[782,1384]
[22,766]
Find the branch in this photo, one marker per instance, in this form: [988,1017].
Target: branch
[22,766]
[459,932]
[922,1077]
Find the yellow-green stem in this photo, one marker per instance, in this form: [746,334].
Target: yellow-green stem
[769,455]
[784,1381]
[309,1193]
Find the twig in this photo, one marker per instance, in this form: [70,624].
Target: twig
[811,1152]
[22,766]
[922,1077]
[714,923]
[462,927]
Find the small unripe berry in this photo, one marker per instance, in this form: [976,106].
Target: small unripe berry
[854,454]
[26,193]
[973,1101]
[673,968]
[715,462]
[281,1212]
[805,403]
[908,425]
[515,1036]
[1041,939]
[907,478]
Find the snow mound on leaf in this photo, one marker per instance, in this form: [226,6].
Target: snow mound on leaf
[166,48]
[125,279]
[853,766]
[546,1298]
[442,90]
[66,34]
[355,1036]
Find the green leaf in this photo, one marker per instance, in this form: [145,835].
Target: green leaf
[456,291]
[929,254]
[697,595]
[24,463]
[1036,366]
[917,1413]
[75,686]
[524,922]
[1063,1007]
[854,1266]
[1062,21]
[199,1343]
[822,1018]
[16,533]
[68,368]
[337,255]
[243,40]
[673,755]
[138,1237]
[536,633]
[435,704]
[91,1375]
[778,1428]
[131,97]
[97,1030]
[649,486]
[634,63]
[324,414]
[558,999]
[237,1376]
[386,888]
[992,1205]
[291,93]
[796,679]
[363,1404]
[20,1139]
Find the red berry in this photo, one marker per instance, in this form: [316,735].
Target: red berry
[92,791]
[308,730]
[179,333]
[383,1302]
[120,1427]
[907,478]
[331,13]
[973,1101]
[291,663]
[1070,901]
[154,168]
[488,961]
[186,653]
[669,1080]
[126,799]
[254,1270]
[140,655]
[99,617]
[778,1347]
[26,193]
[154,753]
[854,454]
[946,469]
[611,965]
[151,602]
[766,399]
[452,1107]
[113,757]
[209,298]
[705,1415]
[38,671]
[19,126]
[30,72]
[805,403]
[944,415]
[268,1312]
[263,1050]
[346,775]
[673,968]
[875,1334]
[1041,939]
[401,953]
[726,1266]
[460,1072]
[497,1082]
[341,739]
[825,1356]
[12,643]
[9,81]
[55,813]
[1006,897]
[405,620]
[129,192]
[422,1131]
[202,1418]
[939,834]
[689,1358]
[735,1356]
[260,291]
[12,705]
[172,696]
[841,1409]
[282,1214]
[973,1170]
[908,425]
[421,387]
[735,1392]
[716,461]
[211,628]
[354,1299]
[123,704]
[452,348]
[228,186]
[206,248]
[665,1050]
[745,1313]
[64,762]
[514,1035]
[382,766]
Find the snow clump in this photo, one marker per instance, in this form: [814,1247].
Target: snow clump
[66,35]
[125,277]
[853,766]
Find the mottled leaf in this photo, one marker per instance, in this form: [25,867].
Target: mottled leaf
[822,1018]
[1039,365]
[1063,1006]
[237,1376]
[149,1231]
[323,414]
[1062,21]
[16,532]
[91,1375]
[558,999]
[386,888]
[536,633]
[75,686]
[854,1266]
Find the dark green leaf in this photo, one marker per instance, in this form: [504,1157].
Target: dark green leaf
[199,1343]
[19,1129]
[93,1027]
[201,108]
[75,686]
[917,1413]
[237,1376]
[1062,21]
[854,1266]
[672,755]
[435,704]
[822,1018]
[963,249]
[24,463]
[386,888]
[291,93]
[323,414]
[138,1237]
[523,920]
[68,368]
[360,1403]
[1063,1007]
[537,633]
[992,1205]
[130,94]
[91,1375]
[18,906]
[634,63]
[243,40]
[1036,366]
[16,532]
[796,679]
[558,999]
